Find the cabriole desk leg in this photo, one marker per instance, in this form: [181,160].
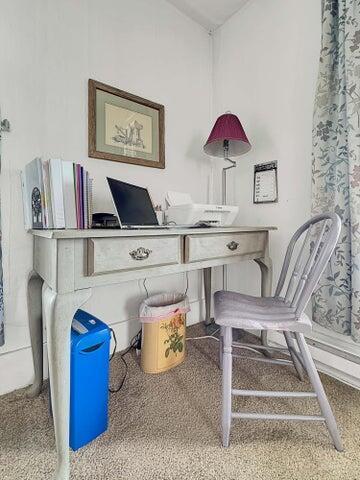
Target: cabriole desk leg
[34,302]
[59,310]
[209,322]
[207,292]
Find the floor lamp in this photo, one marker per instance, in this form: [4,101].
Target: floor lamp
[227,139]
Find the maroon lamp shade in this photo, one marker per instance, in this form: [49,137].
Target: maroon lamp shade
[227,127]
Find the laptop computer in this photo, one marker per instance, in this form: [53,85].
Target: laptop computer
[134,207]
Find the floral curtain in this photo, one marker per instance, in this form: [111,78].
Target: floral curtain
[2,335]
[3,127]
[336,163]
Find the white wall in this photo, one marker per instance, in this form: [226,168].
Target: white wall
[265,69]
[48,52]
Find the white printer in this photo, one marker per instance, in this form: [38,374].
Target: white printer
[181,210]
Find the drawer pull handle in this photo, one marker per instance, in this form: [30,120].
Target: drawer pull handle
[140,253]
[232,245]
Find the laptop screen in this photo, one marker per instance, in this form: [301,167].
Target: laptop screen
[133,204]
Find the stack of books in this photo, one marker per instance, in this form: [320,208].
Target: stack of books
[56,194]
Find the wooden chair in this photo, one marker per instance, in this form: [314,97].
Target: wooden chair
[285,314]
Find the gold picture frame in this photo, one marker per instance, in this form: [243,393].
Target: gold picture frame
[124,127]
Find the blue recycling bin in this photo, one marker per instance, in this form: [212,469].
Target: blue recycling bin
[90,348]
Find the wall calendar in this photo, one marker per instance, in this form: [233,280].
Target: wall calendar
[265,183]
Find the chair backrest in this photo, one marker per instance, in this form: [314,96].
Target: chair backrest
[322,233]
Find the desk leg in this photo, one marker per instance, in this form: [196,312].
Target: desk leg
[207,291]
[34,302]
[265,265]
[59,310]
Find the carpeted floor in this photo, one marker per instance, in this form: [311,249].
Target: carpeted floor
[166,427]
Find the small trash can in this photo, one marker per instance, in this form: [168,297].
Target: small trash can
[89,382]
[163,319]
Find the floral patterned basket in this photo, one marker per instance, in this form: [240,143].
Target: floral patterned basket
[163,332]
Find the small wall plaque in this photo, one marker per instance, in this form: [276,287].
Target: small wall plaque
[265,183]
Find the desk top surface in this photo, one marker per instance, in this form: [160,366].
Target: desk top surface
[102,232]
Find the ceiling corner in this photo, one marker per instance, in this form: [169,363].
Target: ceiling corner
[210,14]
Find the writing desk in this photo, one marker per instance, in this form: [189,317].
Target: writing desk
[69,263]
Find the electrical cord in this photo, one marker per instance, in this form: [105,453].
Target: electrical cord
[146,290]
[212,337]
[134,342]
[203,337]
[186,285]
[244,347]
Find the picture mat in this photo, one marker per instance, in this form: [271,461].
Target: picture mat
[141,113]
[122,117]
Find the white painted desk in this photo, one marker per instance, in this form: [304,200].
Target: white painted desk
[69,263]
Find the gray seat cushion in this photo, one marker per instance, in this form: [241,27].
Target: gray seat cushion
[236,310]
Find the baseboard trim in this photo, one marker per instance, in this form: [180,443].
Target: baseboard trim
[340,345]
[328,362]
[16,366]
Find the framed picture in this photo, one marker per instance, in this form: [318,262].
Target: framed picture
[124,127]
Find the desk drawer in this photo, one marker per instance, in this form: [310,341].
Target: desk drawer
[206,247]
[106,255]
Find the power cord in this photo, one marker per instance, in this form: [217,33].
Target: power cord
[135,342]
[212,337]
[146,290]
[203,338]
[186,285]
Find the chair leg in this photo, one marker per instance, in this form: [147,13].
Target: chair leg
[226,385]
[291,346]
[320,392]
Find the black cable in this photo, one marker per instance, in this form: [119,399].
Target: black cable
[187,282]
[186,288]
[115,344]
[134,342]
[146,290]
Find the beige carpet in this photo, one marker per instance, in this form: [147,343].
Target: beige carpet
[166,427]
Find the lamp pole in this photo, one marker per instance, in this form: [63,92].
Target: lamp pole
[224,171]
[224,196]
[227,138]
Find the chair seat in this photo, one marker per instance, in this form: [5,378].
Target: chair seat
[236,310]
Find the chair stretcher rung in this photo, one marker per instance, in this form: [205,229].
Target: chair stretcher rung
[276,416]
[264,393]
[275,361]
[259,347]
